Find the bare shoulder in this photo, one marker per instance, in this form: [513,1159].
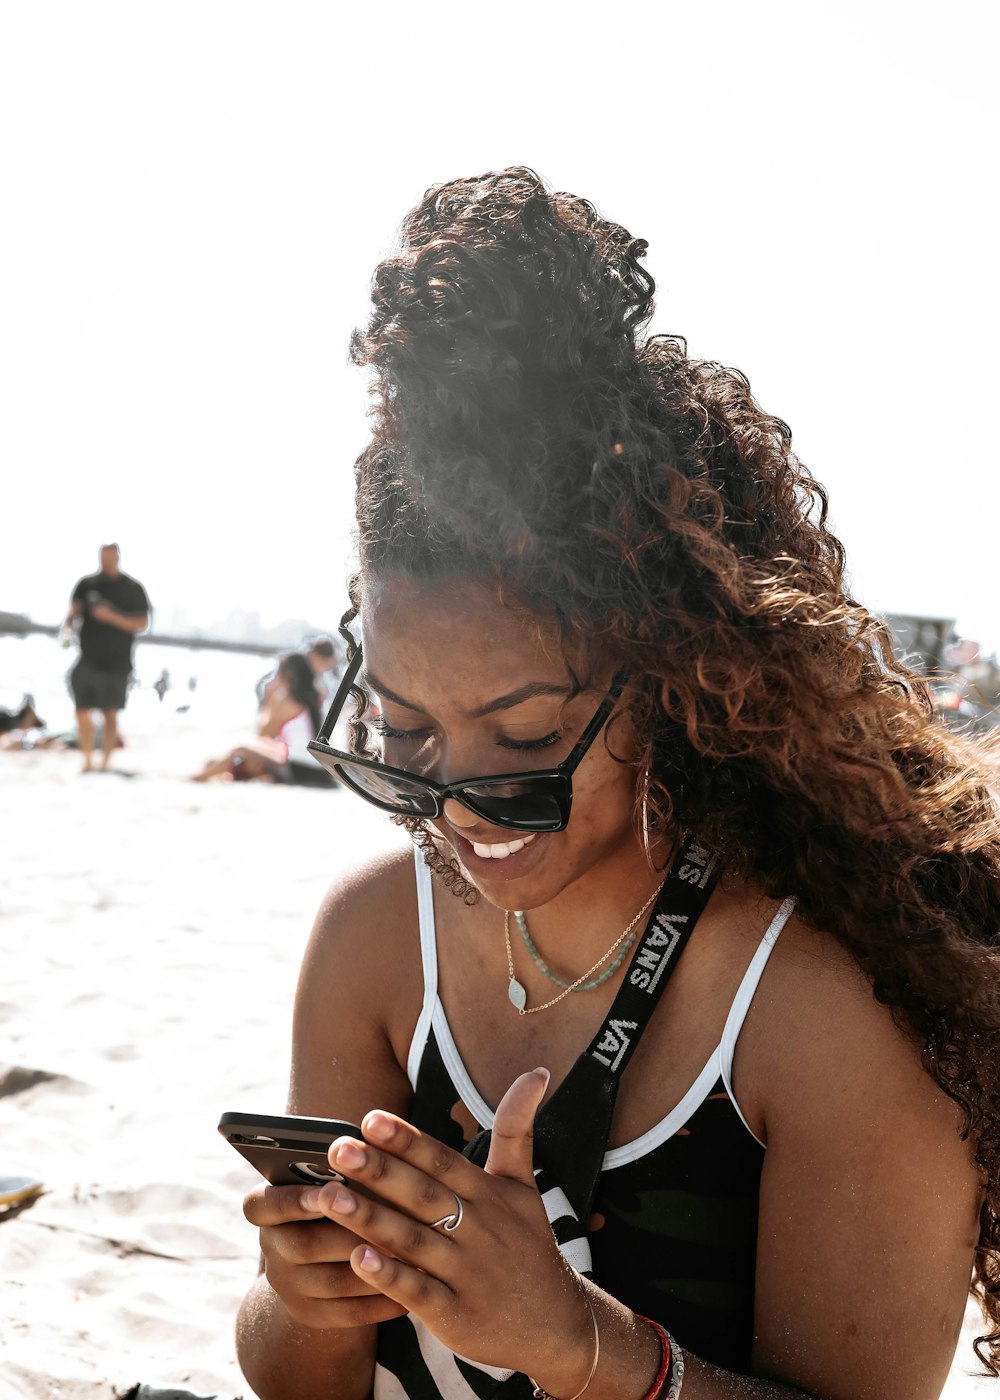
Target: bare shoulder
[364,949]
[360,988]
[817,1036]
[381,891]
[282,708]
[869,1197]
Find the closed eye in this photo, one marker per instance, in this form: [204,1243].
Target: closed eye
[402,736]
[416,736]
[527,745]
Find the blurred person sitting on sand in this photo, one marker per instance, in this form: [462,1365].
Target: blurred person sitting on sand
[322,658]
[647,745]
[107,609]
[22,728]
[288,718]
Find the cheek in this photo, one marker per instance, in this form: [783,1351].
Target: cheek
[603,793]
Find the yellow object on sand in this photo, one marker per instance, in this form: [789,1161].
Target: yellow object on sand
[16,1190]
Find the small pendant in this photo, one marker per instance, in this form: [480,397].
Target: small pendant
[518,996]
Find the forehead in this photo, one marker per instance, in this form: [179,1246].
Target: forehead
[457,634]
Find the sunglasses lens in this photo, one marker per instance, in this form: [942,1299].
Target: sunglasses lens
[532,805]
[388,790]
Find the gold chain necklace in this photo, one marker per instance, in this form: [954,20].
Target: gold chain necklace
[515,991]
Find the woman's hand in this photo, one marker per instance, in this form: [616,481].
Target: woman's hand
[495,1288]
[306,1262]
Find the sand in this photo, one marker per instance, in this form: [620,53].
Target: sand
[151,934]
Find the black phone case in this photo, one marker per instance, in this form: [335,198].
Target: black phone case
[288,1151]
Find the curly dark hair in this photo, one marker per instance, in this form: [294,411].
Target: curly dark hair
[527,433]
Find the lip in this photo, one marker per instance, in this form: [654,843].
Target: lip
[484,868]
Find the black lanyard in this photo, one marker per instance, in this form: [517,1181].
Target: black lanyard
[571,1130]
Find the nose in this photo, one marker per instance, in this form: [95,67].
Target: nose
[466,824]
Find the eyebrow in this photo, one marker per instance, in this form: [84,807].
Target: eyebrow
[502,702]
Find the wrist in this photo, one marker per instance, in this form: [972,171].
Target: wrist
[667,1382]
[626,1353]
[570,1388]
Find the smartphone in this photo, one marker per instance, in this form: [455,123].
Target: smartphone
[290,1150]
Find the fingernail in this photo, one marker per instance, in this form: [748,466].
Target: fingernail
[378,1126]
[540,1069]
[370,1261]
[310,1200]
[350,1155]
[340,1200]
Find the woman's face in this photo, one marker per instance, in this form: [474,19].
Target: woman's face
[449,667]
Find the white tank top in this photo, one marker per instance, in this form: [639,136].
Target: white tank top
[295,734]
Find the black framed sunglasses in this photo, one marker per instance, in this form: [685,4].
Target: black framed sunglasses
[539,800]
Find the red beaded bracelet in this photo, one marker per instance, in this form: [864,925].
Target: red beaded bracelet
[661,1374]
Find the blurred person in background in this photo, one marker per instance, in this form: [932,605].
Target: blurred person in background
[288,718]
[107,610]
[323,657]
[21,728]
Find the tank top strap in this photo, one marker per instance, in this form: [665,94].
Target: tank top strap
[744,996]
[428,960]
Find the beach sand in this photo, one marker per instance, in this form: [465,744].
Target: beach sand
[151,934]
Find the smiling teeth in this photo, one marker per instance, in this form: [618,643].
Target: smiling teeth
[502,850]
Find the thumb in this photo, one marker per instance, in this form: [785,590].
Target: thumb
[512,1138]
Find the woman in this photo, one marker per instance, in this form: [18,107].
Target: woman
[579,547]
[288,718]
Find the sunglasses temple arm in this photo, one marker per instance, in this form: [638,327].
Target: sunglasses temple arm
[571,762]
[340,699]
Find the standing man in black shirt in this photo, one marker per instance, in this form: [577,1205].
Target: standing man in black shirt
[112,607]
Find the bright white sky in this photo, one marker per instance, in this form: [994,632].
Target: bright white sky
[195,196]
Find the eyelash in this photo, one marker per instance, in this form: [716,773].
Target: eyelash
[413,736]
[527,745]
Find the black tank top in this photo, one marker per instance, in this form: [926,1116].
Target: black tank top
[674,1226]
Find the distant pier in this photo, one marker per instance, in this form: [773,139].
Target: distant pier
[17,625]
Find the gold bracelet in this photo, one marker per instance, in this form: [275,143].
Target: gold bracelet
[540,1394]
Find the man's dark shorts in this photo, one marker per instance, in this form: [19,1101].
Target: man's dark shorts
[94,689]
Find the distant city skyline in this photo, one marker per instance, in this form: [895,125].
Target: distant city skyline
[243,625]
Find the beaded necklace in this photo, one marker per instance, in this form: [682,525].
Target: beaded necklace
[517,994]
[543,967]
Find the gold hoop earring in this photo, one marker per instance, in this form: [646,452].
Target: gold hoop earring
[664,834]
[645,821]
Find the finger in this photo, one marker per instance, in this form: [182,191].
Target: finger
[413,1289]
[390,1134]
[276,1205]
[388,1178]
[326,1314]
[324,1282]
[391,1231]
[512,1138]
[309,1242]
